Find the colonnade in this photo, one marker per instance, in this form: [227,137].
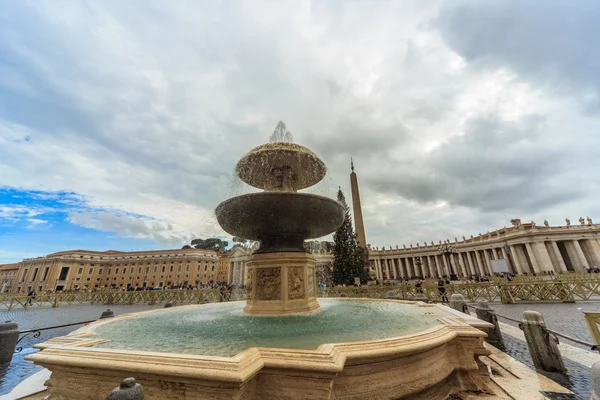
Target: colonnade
[525,257]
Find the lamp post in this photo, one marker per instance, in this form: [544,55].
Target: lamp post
[446,249]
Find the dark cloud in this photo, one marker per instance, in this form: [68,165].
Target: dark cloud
[496,165]
[551,43]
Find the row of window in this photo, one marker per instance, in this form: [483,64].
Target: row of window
[187,268]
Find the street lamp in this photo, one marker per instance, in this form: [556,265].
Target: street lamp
[446,250]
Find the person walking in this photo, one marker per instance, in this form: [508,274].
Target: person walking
[31,296]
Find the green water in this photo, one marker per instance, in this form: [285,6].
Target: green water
[222,329]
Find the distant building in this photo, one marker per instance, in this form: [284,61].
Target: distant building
[525,248]
[222,267]
[85,269]
[8,276]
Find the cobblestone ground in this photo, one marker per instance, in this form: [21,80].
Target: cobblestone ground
[19,368]
[565,318]
[577,378]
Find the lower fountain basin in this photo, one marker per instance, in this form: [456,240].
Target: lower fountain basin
[223,329]
[378,349]
[280,220]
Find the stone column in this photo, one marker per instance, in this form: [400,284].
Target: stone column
[534,263]
[440,265]
[581,255]
[515,256]
[479,265]
[560,262]
[594,248]
[470,263]
[543,256]
[461,264]
[487,261]
[431,267]
[505,258]
[418,269]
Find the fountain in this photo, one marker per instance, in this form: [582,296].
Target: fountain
[280,344]
[281,274]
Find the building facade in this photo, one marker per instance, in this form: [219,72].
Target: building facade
[223,261]
[8,276]
[526,249]
[85,269]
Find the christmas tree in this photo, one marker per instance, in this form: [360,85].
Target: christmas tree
[348,256]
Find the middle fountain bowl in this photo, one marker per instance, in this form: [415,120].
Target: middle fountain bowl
[280,221]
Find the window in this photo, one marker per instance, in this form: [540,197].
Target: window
[171,270]
[131,270]
[187,267]
[100,271]
[35,271]
[155,269]
[79,271]
[205,268]
[139,270]
[45,273]
[163,268]
[109,270]
[116,270]
[213,268]
[179,269]
[91,270]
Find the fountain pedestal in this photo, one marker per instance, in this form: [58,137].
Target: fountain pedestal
[281,283]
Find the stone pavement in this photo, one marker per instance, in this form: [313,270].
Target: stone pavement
[19,368]
[565,318]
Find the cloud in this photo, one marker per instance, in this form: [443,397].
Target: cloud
[131,226]
[548,44]
[462,113]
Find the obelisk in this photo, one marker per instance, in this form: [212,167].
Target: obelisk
[359,226]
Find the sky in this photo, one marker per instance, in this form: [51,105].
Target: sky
[121,121]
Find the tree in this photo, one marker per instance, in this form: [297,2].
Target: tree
[348,256]
[215,244]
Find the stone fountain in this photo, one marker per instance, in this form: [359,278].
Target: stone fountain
[351,349]
[281,273]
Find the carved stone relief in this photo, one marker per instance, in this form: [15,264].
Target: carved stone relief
[295,283]
[268,283]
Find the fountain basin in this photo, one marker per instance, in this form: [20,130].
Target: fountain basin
[281,221]
[429,361]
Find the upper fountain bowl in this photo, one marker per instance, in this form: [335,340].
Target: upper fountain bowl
[281,167]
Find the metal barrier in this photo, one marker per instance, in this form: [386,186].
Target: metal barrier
[507,292]
[543,291]
[11,301]
[38,332]
[592,319]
